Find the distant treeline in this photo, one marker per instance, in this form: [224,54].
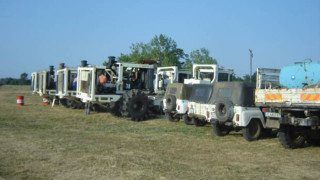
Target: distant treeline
[23,80]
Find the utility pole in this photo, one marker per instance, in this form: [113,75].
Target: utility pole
[251,56]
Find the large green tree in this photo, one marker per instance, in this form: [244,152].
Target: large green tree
[166,50]
[161,48]
[199,56]
[138,51]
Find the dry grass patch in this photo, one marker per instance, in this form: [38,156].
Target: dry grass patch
[40,142]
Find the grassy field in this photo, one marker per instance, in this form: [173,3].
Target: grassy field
[41,142]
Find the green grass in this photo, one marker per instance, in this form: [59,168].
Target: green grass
[41,142]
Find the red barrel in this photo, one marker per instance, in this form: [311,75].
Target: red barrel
[45,100]
[20,100]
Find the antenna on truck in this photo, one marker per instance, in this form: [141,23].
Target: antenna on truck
[251,56]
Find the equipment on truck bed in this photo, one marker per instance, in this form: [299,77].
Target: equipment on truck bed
[66,85]
[296,111]
[300,74]
[43,83]
[132,90]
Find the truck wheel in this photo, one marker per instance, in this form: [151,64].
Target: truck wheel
[314,142]
[115,109]
[187,120]
[198,122]
[219,130]
[71,104]
[63,103]
[135,105]
[171,102]
[313,137]
[267,132]
[252,131]
[79,104]
[171,118]
[289,138]
[224,110]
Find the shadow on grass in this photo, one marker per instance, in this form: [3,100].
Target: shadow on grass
[264,135]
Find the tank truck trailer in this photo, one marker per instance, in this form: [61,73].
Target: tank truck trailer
[297,108]
[132,90]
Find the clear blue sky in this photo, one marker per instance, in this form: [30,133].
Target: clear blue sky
[37,33]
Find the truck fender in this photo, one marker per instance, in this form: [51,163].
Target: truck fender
[247,116]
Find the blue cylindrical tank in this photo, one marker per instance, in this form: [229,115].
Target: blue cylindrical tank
[300,74]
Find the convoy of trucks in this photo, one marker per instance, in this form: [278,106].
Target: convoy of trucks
[286,100]
[133,90]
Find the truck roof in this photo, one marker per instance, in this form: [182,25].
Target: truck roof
[179,90]
[240,93]
[201,93]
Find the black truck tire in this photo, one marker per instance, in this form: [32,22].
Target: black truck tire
[224,110]
[171,118]
[187,120]
[198,122]
[70,103]
[135,105]
[289,138]
[219,130]
[252,131]
[313,137]
[115,109]
[171,102]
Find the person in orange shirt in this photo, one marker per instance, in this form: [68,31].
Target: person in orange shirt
[102,78]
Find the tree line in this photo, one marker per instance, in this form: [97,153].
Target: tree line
[23,80]
[165,50]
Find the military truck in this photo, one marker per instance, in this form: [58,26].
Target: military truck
[232,107]
[132,90]
[200,95]
[296,109]
[176,102]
